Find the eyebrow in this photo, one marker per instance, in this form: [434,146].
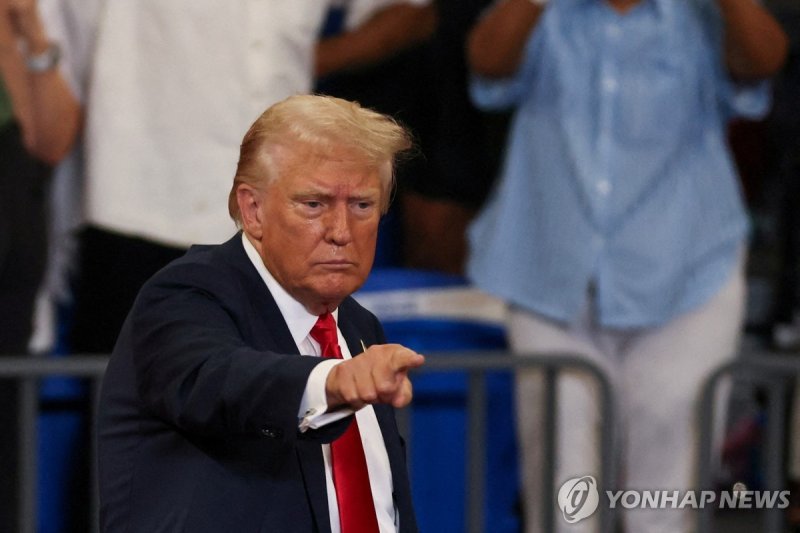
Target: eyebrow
[370,194]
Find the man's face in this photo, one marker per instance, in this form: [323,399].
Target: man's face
[319,225]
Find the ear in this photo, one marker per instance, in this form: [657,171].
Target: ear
[249,200]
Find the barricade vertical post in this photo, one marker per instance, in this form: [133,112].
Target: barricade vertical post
[27,446]
[608,463]
[776,416]
[550,434]
[476,409]
[94,398]
[706,406]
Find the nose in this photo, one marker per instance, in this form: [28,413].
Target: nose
[338,229]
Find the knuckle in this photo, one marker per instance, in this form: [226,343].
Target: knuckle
[370,397]
[385,386]
[350,394]
[367,391]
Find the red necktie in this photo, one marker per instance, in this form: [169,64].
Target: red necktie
[350,476]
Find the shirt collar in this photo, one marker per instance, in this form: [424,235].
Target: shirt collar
[297,317]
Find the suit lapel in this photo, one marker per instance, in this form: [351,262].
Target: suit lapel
[271,331]
[352,334]
[268,327]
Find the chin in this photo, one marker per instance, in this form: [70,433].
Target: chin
[337,288]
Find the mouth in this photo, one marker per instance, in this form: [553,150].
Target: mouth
[336,264]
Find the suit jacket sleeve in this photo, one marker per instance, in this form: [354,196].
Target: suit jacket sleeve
[206,362]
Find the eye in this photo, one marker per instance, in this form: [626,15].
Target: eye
[363,208]
[310,207]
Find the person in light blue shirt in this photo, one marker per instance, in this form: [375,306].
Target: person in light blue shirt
[617,230]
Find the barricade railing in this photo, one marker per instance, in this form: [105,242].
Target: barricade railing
[773,376]
[28,371]
[477,364]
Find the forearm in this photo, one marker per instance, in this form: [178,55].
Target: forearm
[497,42]
[388,32]
[56,116]
[755,44]
[49,112]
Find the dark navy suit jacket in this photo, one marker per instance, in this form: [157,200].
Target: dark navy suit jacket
[197,424]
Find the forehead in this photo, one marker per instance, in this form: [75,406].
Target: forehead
[298,169]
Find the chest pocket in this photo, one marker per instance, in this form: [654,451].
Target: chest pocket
[655,100]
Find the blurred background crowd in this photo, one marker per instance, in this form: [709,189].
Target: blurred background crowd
[120,123]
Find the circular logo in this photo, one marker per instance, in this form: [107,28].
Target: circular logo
[578,498]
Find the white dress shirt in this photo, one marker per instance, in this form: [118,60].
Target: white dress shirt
[312,412]
[175,86]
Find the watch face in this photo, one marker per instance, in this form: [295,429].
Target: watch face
[47,60]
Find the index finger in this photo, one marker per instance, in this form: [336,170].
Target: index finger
[405,359]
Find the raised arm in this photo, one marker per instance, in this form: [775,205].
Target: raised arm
[496,43]
[44,105]
[755,44]
[387,32]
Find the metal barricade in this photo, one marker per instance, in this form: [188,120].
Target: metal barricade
[30,370]
[477,364]
[773,375]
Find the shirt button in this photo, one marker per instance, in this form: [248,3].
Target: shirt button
[598,241]
[613,31]
[603,187]
[610,84]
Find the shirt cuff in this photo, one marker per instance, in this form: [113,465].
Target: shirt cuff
[314,404]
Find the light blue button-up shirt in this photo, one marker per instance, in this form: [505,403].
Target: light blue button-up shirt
[617,170]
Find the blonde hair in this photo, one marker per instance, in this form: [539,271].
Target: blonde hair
[319,125]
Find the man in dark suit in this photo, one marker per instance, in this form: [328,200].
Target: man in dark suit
[210,419]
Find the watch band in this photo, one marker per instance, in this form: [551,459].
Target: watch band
[47,60]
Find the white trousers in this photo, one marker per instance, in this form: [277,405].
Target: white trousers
[656,374]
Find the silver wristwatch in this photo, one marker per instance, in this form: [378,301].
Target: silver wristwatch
[47,60]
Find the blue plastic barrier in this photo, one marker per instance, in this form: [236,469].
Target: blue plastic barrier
[63,448]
